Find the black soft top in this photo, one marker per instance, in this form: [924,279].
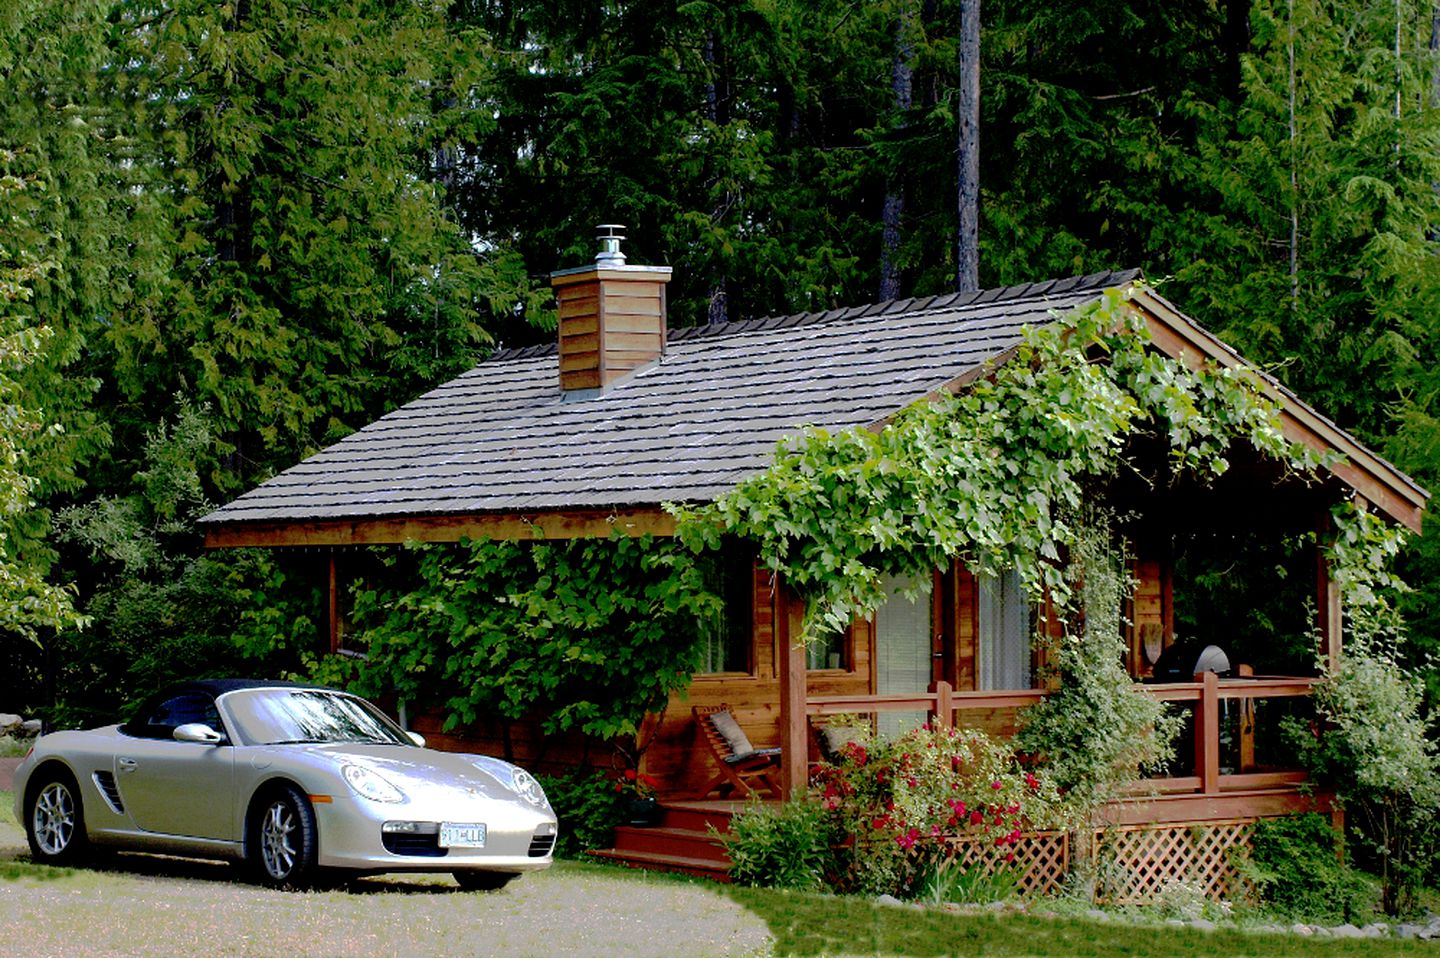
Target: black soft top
[213,688]
[218,687]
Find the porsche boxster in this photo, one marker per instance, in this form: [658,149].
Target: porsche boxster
[293,781]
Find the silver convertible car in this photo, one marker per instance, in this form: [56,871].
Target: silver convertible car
[291,780]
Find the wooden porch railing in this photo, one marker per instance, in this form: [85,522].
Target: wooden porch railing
[1207,693]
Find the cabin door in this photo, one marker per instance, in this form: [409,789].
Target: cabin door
[904,659]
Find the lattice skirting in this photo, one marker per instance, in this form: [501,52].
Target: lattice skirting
[1042,860]
[1135,864]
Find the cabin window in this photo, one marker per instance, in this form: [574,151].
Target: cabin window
[725,636]
[1006,621]
[904,652]
[829,651]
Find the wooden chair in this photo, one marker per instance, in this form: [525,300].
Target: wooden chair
[743,769]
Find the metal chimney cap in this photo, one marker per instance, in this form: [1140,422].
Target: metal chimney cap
[610,235]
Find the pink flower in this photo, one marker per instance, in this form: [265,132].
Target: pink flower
[977,817]
[997,786]
[1031,781]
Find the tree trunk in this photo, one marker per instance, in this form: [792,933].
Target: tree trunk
[902,72]
[967,253]
[717,310]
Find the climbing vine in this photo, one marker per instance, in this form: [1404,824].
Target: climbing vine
[586,635]
[987,475]
[994,475]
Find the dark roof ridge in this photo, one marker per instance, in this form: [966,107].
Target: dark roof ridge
[1105,279]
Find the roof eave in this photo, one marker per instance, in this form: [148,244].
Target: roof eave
[393,530]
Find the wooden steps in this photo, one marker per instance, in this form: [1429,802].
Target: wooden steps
[682,842]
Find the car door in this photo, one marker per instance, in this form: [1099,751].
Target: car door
[177,788]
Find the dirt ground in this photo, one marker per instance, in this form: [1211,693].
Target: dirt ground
[140,906]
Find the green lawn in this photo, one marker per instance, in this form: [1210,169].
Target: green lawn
[585,909]
[820,925]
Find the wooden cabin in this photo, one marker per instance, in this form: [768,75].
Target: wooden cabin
[591,435]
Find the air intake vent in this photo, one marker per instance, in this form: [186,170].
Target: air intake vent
[541,845]
[409,843]
[105,781]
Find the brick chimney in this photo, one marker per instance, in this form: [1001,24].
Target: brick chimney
[612,316]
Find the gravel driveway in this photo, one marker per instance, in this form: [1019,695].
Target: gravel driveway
[169,908]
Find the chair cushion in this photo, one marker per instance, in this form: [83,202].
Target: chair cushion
[732,733]
[756,753]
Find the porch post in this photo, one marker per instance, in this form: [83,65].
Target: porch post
[794,747]
[1327,601]
[332,610]
[1207,733]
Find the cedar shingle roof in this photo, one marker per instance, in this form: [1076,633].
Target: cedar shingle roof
[502,438]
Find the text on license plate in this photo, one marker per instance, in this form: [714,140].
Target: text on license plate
[460,835]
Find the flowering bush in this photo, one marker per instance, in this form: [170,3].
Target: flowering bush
[903,806]
[635,784]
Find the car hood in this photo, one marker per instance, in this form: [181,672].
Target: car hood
[415,770]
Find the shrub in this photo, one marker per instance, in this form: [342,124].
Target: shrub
[900,807]
[786,846]
[588,807]
[949,881]
[1295,866]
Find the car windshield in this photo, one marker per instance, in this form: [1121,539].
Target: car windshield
[290,716]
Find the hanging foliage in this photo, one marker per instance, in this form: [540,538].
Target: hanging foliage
[586,635]
[987,475]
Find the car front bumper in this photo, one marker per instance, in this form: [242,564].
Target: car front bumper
[352,836]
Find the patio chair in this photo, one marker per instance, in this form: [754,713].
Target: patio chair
[744,770]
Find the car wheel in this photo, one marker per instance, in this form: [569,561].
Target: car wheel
[55,820]
[474,880]
[284,842]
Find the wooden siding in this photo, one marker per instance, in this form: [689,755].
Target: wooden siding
[611,323]
[1150,616]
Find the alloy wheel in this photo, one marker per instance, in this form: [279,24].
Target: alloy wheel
[54,818]
[276,849]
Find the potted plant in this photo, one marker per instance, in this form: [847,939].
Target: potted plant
[637,791]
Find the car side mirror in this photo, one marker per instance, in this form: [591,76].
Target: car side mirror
[198,732]
[417,738]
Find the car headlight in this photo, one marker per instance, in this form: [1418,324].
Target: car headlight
[368,783]
[527,788]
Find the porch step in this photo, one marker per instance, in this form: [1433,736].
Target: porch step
[682,842]
[699,867]
[664,840]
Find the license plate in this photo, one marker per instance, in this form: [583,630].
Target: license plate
[457,835]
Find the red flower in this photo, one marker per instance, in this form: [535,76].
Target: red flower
[997,785]
[1031,781]
[977,817]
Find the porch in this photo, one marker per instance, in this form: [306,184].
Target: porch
[1178,826]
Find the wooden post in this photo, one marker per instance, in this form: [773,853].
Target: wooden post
[944,714]
[1247,726]
[793,741]
[1207,733]
[332,623]
[1327,603]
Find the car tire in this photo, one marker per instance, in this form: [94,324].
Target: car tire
[55,819]
[283,844]
[476,880]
